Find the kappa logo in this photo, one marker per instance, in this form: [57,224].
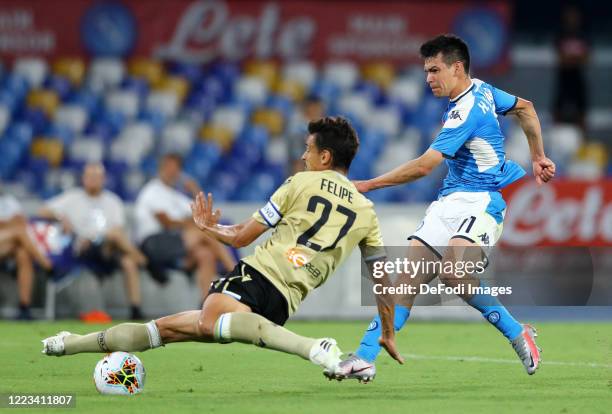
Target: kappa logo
[455,115]
[484,238]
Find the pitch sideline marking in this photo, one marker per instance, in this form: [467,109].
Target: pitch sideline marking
[505,361]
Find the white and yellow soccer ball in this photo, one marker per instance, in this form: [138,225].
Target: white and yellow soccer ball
[119,373]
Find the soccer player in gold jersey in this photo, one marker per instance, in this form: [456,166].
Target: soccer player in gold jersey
[318,217]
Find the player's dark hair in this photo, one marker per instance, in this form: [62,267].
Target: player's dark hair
[336,135]
[452,47]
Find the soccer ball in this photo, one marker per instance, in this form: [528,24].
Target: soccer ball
[119,373]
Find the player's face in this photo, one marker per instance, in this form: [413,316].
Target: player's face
[441,78]
[93,178]
[312,157]
[170,170]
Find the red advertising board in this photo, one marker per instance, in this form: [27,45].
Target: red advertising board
[203,30]
[560,213]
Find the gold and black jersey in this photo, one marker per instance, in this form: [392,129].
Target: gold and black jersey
[318,217]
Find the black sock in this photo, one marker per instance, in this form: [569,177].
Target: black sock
[135,312]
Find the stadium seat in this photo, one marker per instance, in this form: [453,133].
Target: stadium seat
[34,70]
[174,84]
[149,69]
[72,69]
[564,140]
[221,135]
[73,116]
[304,73]
[230,117]
[380,73]
[124,102]
[105,73]
[5,118]
[178,137]
[191,72]
[342,74]
[397,152]
[60,132]
[164,102]
[87,149]
[356,104]
[386,119]
[134,142]
[407,90]
[133,182]
[43,99]
[51,150]
[291,89]
[265,70]
[58,84]
[272,120]
[251,89]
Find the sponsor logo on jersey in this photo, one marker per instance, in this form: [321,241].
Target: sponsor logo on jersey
[297,258]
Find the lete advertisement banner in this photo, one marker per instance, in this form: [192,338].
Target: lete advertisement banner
[205,30]
[561,213]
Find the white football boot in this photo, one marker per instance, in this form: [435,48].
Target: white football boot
[54,345]
[353,367]
[325,353]
[527,350]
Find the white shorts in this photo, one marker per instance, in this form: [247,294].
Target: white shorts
[464,215]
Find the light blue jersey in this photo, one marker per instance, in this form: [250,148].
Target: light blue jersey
[473,145]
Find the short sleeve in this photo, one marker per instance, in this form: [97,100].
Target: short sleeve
[276,207]
[459,126]
[372,246]
[504,102]
[60,205]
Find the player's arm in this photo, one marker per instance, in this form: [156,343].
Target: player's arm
[207,220]
[49,213]
[169,223]
[385,304]
[405,173]
[543,168]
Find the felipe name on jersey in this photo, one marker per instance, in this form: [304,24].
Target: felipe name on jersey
[336,189]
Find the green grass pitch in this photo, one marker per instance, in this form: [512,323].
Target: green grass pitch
[450,367]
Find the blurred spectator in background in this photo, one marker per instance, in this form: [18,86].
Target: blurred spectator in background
[166,232]
[97,218]
[17,248]
[312,109]
[573,55]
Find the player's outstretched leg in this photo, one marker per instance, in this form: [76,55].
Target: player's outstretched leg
[255,329]
[223,319]
[521,337]
[128,337]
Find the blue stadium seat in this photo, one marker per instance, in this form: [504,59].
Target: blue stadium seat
[60,85]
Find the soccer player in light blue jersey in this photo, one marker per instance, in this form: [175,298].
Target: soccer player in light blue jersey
[470,209]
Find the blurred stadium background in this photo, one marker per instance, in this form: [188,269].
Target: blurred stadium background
[224,83]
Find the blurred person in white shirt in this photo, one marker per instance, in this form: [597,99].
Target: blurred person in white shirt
[16,245]
[97,218]
[166,232]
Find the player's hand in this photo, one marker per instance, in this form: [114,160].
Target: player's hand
[362,186]
[202,211]
[543,170]
[389,344]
